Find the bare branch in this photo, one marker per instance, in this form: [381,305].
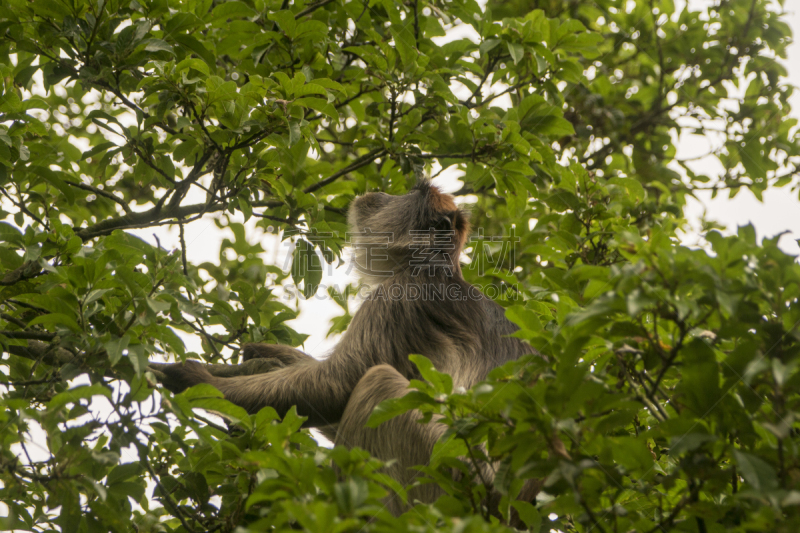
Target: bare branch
[37,350]
[28,270]
[312,8]
[360,162]
[100,192]
[36,335]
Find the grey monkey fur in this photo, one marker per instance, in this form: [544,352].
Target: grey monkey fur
[462,332]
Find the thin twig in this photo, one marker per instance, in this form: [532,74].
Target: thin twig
[24,209]
[29,382]
[31,335]
[167,496]
[183,246]
[360,162]
[13,320]
[100,192]
[312,8]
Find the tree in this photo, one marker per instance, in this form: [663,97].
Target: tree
[669,400]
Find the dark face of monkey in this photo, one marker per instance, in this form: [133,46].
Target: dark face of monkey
[419,233]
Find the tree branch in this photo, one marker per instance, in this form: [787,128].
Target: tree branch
[312,8]
[100,192]
[153,217]
[35,335]
[360,162]
[41,351]
[23,208]
[158,215]
[28,270]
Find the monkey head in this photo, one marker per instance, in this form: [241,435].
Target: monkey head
[419,233]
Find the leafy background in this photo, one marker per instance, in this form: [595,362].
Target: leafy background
[669,398]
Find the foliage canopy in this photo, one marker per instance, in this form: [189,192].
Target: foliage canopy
[669,397]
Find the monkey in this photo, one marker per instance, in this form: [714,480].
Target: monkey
[402,245]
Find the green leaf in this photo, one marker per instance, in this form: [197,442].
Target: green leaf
[351,494]
[294,133]
[55,179]
[51,9]
[192,63]
[310,88]
[405,43]
[58,319]
[329,84]
[488,45]
[583,43]
[442,382]
[285,20]
[10,234]
[689,442]
[83,392]
[232,10]
[197,486]
[100,148]
[320,105]
[517,51]
[115,348]
[310,27]
[192,45]
[209,398]
[388,409]
[138,359]
[529,514]
[758,473]
[158,45]
[700,377]
[70,516]
[181,22]
[307,267]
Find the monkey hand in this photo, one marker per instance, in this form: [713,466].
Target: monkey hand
[178,377]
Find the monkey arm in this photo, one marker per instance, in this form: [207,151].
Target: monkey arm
[319,389]
[258,359]
[281,377]
[285,354]
[253,366]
